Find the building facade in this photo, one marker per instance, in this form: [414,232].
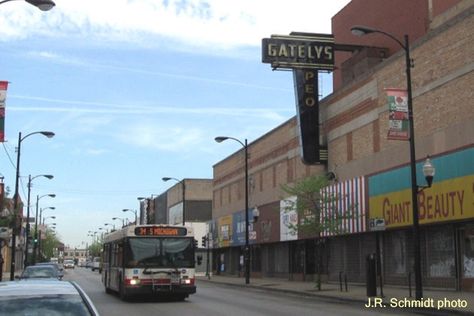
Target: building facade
[371,171]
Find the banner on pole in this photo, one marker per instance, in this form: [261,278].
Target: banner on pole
[3,97]
[397,100]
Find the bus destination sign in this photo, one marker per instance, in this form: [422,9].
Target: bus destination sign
[162,231]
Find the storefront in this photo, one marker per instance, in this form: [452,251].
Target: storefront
[446,216]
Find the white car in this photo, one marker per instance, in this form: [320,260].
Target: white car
[96,264]
[44,297]
[68,264]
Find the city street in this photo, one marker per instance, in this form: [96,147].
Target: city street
[215,299]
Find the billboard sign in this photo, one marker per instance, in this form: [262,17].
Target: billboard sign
[450,198]
[299,50]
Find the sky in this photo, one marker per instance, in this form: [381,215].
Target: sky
[137,90]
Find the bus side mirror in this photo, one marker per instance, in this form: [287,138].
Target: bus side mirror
[199,260]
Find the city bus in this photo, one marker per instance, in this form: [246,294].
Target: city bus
[147,260]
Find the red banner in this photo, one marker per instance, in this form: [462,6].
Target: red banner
[3,97]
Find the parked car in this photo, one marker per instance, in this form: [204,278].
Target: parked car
[55,265]
[40,297]
[96,264]
[40,272]
[68,264]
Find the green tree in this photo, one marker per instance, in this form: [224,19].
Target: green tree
[49,244]
[6,203]
[316,213]
[95,248]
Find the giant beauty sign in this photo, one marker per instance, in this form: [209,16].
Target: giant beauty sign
[305,53]
[450,198]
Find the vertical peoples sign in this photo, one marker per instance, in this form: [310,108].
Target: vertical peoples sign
[305,54]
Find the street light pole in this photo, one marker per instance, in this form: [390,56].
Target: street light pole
[247,247]
[362,30]
[134,211]
[16,221]
[36,240]
[119,218]
[27,234]
[183,194]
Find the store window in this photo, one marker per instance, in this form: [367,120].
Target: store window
[468,253]
[396,253]
[440,252]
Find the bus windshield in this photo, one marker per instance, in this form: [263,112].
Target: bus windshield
[159,252]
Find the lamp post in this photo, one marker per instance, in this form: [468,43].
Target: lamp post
[40,247]
[244,144]
[133,211]
[43,5]
[36,240]
[48,217]
[53,226]
[113,226]
[119,218]
[27,233]
[183,186]
[428,170]
[16,197]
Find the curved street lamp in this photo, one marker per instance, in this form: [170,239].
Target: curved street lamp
[35,244]
[183,186]
[16,197]
[133,211]
[36,247]
[428,168]
[113,226]
[27,233]
[43,5]
[119,218]
[244,144]
[48,217]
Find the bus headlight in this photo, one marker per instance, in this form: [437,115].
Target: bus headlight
[134,281]
[188,281]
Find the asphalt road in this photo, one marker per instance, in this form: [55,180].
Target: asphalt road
[213,299]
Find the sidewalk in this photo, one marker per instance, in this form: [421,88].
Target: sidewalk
[442,302]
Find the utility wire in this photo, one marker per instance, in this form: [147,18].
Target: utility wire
[8,155]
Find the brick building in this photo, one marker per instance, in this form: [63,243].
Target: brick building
[167,208]
[370,169]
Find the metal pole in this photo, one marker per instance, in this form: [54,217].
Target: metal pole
[379,262]
[414,186]
[27,233]
[15,211]
[39,234]
[208,263]
[35,240]
[247,249]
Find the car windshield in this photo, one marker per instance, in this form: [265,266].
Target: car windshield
[160,252]
[54,305]
[39,272]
